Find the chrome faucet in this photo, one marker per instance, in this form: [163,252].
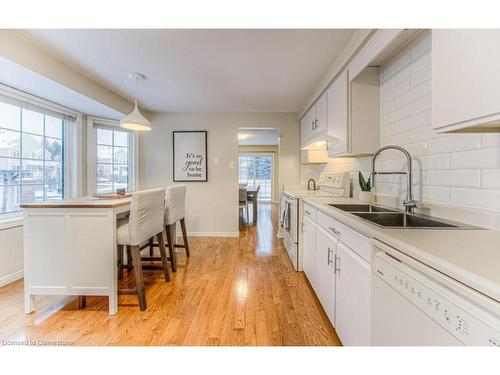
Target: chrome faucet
[313,184]
[409,203]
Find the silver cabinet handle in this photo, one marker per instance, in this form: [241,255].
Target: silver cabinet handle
[336,232]
[307,212]
[329,260]
[337,264]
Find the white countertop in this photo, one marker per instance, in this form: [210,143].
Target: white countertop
[469,256]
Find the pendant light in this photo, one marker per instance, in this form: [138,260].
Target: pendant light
[135,120]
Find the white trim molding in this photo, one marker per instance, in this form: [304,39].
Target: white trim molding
[4,280]
[213,234]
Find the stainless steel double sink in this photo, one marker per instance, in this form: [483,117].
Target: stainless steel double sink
[390,218]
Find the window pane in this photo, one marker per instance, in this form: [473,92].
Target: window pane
[120,155]
[9,171]
[9,198]
[32,172]
[104,174]
[121,138]
[120,176]
[104,154]
[32,122]
[104,137]
[31,193]
[53,127]
[53,149]
[32,146]
[54,191]
[53,174]
[10,145]
[104,188]
[10,116]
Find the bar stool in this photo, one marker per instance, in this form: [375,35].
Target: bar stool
[175,210]
[144,222]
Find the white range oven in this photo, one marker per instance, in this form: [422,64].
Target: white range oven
[330,185]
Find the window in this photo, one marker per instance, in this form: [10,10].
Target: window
[113,158]
[256,169]
[31,155]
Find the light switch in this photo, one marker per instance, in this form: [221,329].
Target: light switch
[231,164]
[216,160]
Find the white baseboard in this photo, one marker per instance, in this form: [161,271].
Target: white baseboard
[213,234]
[4,280]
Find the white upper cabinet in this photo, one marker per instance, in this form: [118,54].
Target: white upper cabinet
[338,118]
[465,80]
[321,114]
[307,126]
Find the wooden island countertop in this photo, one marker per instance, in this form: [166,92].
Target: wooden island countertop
[81,202]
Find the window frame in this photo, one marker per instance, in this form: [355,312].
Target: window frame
[27,101]
[133,150]
[263,154]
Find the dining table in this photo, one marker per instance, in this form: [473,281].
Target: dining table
[70,248]
[253,192]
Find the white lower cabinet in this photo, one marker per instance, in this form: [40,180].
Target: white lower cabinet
[325,271]
[336,263]
[352,318]
[309,249]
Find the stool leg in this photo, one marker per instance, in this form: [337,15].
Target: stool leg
[136,260]
[151,248]
[129,258]
[82,302]
[184,236]
[164,262]
[120,261]
[171,248]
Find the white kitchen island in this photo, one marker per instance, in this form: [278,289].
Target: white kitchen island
[70,248]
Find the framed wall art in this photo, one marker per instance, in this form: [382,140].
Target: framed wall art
[190,156]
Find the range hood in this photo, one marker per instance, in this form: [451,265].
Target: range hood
[315,151]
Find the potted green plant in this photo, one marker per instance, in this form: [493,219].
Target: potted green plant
[365,194]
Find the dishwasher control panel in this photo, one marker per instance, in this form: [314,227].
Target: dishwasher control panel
[438,303]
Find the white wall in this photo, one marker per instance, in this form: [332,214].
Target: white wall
[11,254]
[212,207]
[450,170]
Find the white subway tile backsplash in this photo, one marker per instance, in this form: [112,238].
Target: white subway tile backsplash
[490,178]
[436,193]
[433,162]
[454,142]
[418,121]
[465,178]
[483,158]
[481,198]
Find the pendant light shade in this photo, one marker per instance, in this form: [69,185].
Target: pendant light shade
[135,120]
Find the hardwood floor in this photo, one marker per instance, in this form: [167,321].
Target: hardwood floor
[231,291]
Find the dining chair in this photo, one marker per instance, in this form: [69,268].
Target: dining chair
[144,222]
[243,202]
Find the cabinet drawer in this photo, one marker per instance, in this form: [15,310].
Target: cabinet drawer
[310,212]
[357,242]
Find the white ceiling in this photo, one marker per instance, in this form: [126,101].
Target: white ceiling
[257,137]
[202,70]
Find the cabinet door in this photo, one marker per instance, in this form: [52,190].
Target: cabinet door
[325,271]
[338,119]
[465,78]
[321,113]
[306,126]
[309,249]
[353,283]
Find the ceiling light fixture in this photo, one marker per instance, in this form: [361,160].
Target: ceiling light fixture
[135,120]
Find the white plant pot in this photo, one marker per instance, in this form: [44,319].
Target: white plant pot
[365,196]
